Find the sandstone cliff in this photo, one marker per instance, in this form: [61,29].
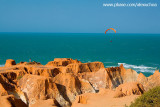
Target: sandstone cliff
[66,82]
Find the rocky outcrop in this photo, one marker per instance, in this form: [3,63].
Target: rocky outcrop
[7,85]
[151,81]
[10,62]
[42,88]
[96,79]
[36,87]
[71,86]
[82,99]
[3,92]
[86,87]
[119,75]
[131,88]
[62,62]
[22,63]
[63,88]
[84,67]
[18,71]
[44,71]
[64,81]
[45,103]
[11,101]
[29,63]
[13,74]
[142,79]
[32,63]
[105,98]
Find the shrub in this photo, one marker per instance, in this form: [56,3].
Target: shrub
[19,77]
[150,98]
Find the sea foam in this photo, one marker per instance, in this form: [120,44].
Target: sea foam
[140,68]
[2,65]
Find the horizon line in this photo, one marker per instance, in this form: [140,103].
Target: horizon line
[77,33]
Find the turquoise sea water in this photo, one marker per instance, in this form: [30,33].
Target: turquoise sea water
[140,52]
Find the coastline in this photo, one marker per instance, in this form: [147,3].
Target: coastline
[137,51]
[70,82]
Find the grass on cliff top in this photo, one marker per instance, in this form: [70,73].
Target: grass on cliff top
[19,77]
[150,98]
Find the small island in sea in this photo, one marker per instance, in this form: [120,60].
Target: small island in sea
[67,82]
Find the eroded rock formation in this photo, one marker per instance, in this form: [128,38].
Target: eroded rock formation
[10,62]
[130,88]
[66,82]
[151,81]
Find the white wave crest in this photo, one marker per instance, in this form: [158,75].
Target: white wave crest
[140,68]
[2,65]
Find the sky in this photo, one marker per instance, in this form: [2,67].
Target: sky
[77,16]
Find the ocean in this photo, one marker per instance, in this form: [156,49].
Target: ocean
[141,52]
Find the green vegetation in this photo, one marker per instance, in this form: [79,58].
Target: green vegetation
[150,98]
[19,77]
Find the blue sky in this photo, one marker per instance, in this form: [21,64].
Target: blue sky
[77,16]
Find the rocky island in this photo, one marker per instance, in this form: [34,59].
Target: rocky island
[65,82]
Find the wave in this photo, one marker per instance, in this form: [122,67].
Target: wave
[140,68]
[2,65]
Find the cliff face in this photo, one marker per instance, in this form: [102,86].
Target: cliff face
[65,80]
[62,62]
[10,62]
[123,95]
[151,81]
[119,75]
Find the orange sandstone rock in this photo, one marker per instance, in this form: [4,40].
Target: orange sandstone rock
[3,92]
[10,62]
[64,79]
[84,67]
[105,98]
[131,88]
[44,71]
[63,88]
[151,81]
[118,94]
[71,86]
[11,101]
[7,84]
[77,68]
[45,103]
[13,74]
[96,79]
[62,62]
[119,75]
[35,87]
[86,87]
[142,79]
